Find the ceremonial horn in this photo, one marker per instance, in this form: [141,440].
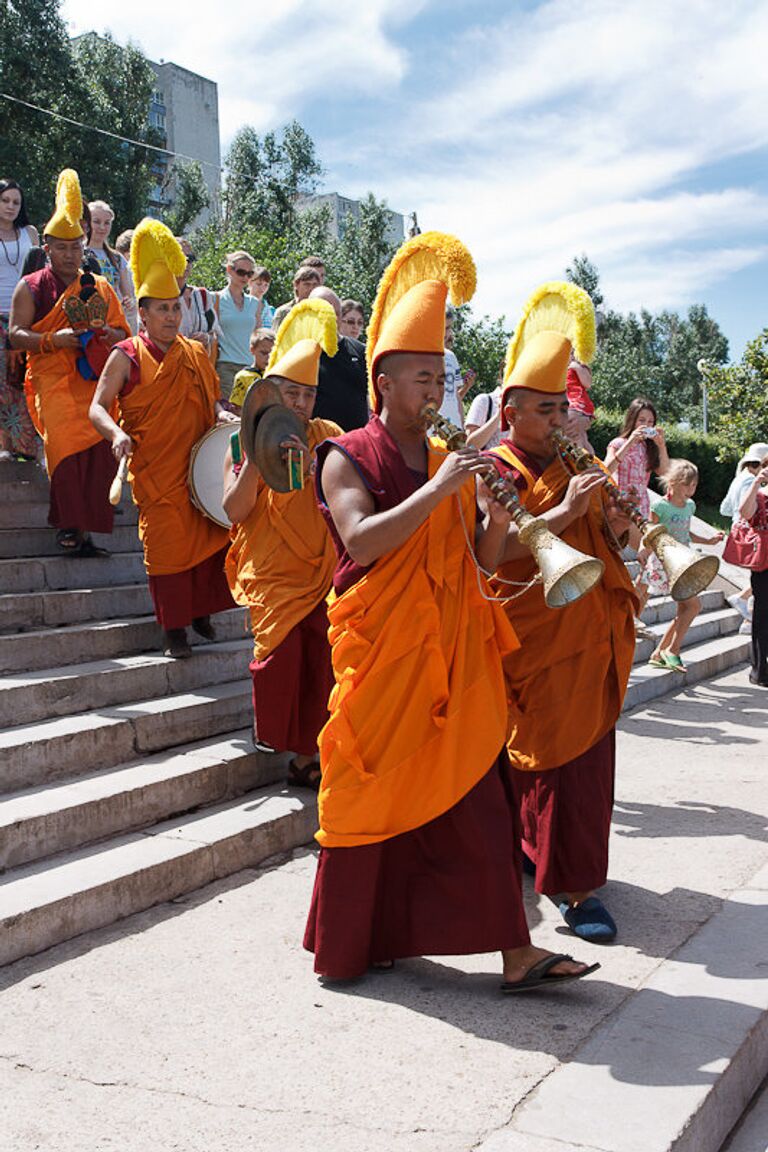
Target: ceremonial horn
[687,571]
[566,573]
[116,487]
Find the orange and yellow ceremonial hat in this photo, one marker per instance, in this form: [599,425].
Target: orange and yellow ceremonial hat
[409,311]
[557,320]
[65,224]
[307,330]
[156,260]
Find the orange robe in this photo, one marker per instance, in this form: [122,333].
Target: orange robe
[418,713]
[171,407]
[566,684]
[57,395]
[281,561]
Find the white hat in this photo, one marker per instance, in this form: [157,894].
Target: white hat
[755,454]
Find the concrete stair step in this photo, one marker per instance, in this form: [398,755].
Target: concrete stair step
[16,472]
[32,611]
[76,688]
[707,626]
[98,640]
[26,542]
[34,514]
[57,573]
[662,608]
[50,901]
[48,750]
[40,822]
[702,661]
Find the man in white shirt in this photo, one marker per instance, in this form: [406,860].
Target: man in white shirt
[451,407]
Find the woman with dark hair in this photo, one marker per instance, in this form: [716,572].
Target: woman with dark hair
[17,238]
[638,450]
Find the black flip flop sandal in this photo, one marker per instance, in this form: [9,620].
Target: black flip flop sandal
[542,976]
[307,777]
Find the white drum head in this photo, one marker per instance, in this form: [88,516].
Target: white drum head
[206,472]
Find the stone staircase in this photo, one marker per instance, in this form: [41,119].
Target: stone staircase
[127,779]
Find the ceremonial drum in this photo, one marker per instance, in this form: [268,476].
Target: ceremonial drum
[206,472]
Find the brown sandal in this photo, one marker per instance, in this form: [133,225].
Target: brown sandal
[307,777]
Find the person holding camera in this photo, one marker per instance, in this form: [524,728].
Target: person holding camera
[638,450]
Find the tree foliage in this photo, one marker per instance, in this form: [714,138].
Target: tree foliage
[738,397]
[189,195]
[91,80]
[265,174]
[480,345]
[653,355]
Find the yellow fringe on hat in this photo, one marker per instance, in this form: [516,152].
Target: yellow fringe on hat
[153,241]
[556,307]
[430,256]
[307,320]
[69,198]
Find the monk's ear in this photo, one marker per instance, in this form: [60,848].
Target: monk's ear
[383,383]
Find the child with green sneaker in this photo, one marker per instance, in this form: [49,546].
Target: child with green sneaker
[675,512]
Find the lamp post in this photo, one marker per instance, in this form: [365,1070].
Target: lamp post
[702,367]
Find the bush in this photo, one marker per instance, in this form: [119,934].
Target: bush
[715,475]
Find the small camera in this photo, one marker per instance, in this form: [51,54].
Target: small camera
[649,433]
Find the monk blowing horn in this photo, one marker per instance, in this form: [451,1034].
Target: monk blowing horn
[566,573]
[116,487]
[687,571]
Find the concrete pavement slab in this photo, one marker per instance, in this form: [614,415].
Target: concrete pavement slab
[199,1025]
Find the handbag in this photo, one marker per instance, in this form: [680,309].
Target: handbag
[747,543]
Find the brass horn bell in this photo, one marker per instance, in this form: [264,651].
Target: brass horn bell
[566,573]
[687,572]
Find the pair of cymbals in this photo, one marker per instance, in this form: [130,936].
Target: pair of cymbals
[265,424]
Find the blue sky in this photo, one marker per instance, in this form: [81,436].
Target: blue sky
[635,131]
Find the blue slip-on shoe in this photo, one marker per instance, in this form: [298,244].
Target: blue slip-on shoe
[590,920]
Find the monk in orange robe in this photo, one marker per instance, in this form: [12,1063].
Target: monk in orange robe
[168,397]
[417,830]
[566,684]
[64,358]
[282,559]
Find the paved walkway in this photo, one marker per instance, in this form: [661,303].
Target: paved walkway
[199,1027]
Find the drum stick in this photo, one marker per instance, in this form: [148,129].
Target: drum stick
[116,489]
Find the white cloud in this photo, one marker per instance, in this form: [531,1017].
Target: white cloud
[268,62]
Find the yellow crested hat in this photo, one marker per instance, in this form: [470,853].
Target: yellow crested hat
[559,318]
[65,222]
[307,330]
[156,260]
[409,311]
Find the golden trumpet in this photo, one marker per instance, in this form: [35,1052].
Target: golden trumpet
[566,573]
[687,571]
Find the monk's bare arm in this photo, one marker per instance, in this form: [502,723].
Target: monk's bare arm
[240,491]
[367,535]
[23,317]
[114,377]
[574,504]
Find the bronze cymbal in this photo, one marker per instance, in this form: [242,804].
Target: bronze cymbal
[260,394]
[273,425]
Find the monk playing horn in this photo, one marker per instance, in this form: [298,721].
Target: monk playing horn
[419,853]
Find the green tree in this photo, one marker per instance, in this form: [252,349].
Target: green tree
[480,345]
[116,83]
[36,64]
[584,274]
[738,396]
[185,184]
[91,80]
[266,174]
[359,257]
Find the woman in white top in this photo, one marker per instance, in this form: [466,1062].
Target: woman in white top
[746,470]
[114,267]
[17,237]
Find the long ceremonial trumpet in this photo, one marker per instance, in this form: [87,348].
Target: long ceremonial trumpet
[687,571]
[116,487]
[566,573]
